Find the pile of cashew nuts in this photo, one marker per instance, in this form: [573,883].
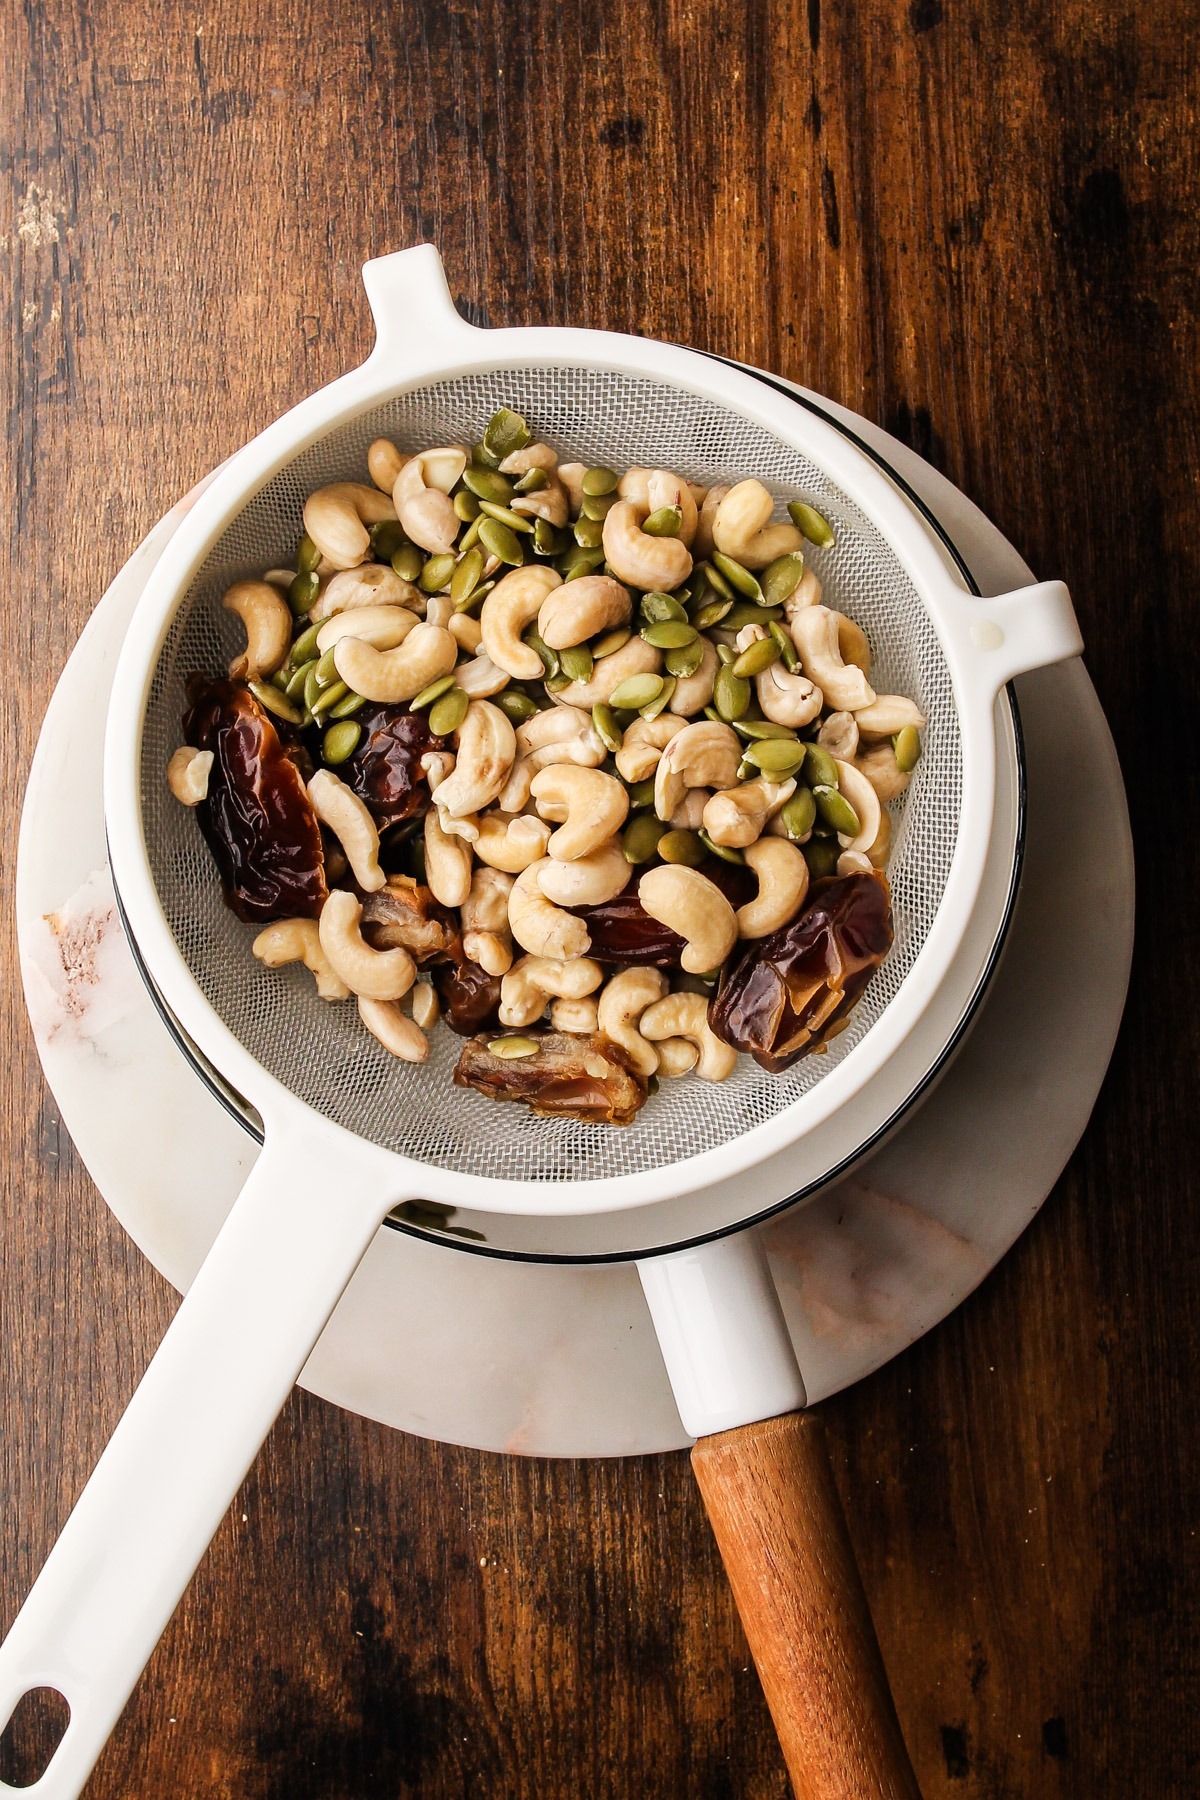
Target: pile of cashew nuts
[627,677]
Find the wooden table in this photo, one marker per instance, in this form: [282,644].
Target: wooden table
[976,224]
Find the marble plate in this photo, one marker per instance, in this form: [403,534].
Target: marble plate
[560,1360]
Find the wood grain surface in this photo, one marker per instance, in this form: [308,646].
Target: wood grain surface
[976,223]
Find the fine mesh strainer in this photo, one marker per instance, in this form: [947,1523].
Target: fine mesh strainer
[349,1134]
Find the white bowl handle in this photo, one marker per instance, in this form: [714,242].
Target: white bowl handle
[412,305]
[242,1334]
[1013,633]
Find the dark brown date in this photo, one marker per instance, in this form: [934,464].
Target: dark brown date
[788,994]
[622,931]
[385,770]
[568,1077]
[470,997]
[257,819]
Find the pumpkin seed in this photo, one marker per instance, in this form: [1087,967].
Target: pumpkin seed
[820,770]
[681,847]
[612,640]
[346,707]
[483,458]
[666,522]
[597,506]
[821,855]
[743,613]
[756,657]
[280,679]
[641,836]
[739,578]
[599,480]
[505,432]
[340,741]
[504,515]
[808,520]
[312,687]
[731,694]
[636,691]
[727,653]
[303,591]
[387,535]
[799,813]
[328,698]
[589,533]
[408,562]
[533,481]
[512,1049]
[274,702]
[777,757]
[713,614]
[656,608]
[652,708]
[498,540]
[579,560]
[907,747]
[465,578]
[549,657]
[515,705]
[554,684]
[686,659]
[781,578]
[726,852]
[836,810]
[757,729]
[470,537]
[546,540]
[641,793]
[295,687]
[476,598]
[606,727]
[466,506]
[307,556]
[714,579]
[488,484]
[433,692]
[304,647]
[448,713]
[576,661]
[436,573]
[670,634]
[327,669]
[787,649]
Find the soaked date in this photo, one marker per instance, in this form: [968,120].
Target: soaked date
[622,931]
[470,997]
[385,770]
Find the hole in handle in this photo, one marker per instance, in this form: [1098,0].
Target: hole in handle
[35,1729]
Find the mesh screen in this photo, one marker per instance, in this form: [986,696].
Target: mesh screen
[319,1049]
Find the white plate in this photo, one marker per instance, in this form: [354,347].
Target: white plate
[561,1359]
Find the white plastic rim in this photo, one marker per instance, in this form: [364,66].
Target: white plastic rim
[421,339]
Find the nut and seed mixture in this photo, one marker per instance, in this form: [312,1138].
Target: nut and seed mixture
[573,759]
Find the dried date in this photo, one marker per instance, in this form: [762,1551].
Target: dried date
[385,770]
[568,1077]
[622,931]
[470,997]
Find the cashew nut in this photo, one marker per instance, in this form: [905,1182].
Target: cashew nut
[738,816]
[807,593]
[815,635]
[702,543]
[577,610]
[589,880]
[651,489]
[513,845]
[622,1003]
[447,860]
[424,1004]
[512,606]
[374,584]
[852,643]
[855,787]
[854,862]
[486,936]
[839,735]
[514,795]
[390,676]
[560,734]
[635,657]
[693,692]
[187,774]
[439,610]
[689,814]
[299,940]
[467,632]
[705,754]
[571,475]
[349,818]
[686,1016]
[422,498]
[268,621]
[589,807]
[373,974]
[638,559]
[533,981]
[480,677]
[643,743]
[530,456]
[742,529]
[878,764]
[787,699]
[677,1056]
[549,503]
[575,1015]
[696,908]
[381,626]
[486,747]
[336,519]
[881,849]
[782,884]
[384,463]
[888,714]
[541,927]
[394,1029]
[437,766]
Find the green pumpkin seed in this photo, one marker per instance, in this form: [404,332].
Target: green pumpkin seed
[533,481]
[714,579]
[907,747]
[576,662]
[505,432]
[328,698]
[504,515]
[656,608]
[429,694]
[743,613]
[346,707]
[636,691]
[671,634]
[466,577]
[466,506]
[303,591]
[547,541]
[777,757]
[681,847]
[836,810]
[726,852]
[340,741]
[589,533]
[666,522]
[756,729]
[483,458]
[304,647]
[488,484]
[273,701]
[641,836]
[599,480]
[731,694]
[295,686]
[327,669]
[653,707]
[756,657]
[713,614]
[512,1049]
[554,684]
[312,687]
[498,540]
[281,678]
[781,578]
[821,855]
[787,648]
[470,537]
[727,653]
[820,770]
[739,578]
[307,556]
[436,573]
[607,729]
[612,640]
[408,562]
[579,562]
[516,706]
[597,506]
[814,526]
[641,793]
[686,659]
[448,713]
[386,538]
[550,662]
[799,813]
[475,598]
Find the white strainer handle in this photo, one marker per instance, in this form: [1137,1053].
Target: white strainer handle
[413,307]
[297,1232]
[1013,633]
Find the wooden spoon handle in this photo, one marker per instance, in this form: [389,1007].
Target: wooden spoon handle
[776,1516]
